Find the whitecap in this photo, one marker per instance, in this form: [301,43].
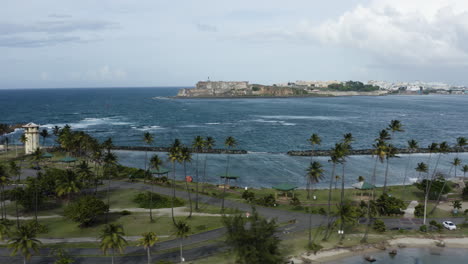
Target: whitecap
[215,123]
[148,128]
[413,180]
[91,121]
[190,126]
[300,117]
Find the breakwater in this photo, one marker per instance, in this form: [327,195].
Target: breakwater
[367,151]
[166,149]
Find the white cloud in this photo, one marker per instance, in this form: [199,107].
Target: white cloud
[401,32]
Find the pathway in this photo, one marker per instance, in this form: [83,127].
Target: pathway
[409,212]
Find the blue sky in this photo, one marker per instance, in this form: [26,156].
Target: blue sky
[87,43]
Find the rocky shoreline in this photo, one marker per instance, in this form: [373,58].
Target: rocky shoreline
[366,151]
[166,149]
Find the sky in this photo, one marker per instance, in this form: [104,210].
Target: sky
[126,43]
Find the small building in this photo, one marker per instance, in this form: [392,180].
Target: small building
[31,131]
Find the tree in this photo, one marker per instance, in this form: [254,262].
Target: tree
[86,210]
[347,140]
[209,144]
[314,175]
[182,231]
[4,181]
[186,156]
[155,162]
[230,142]
[412,146]
[148,139]
[198,144]
[110,162]
[253,239]
[461,143]
[174,156]
[390,153]
[313,140]
[148,240]
[62,256]
[67,185]
[464,169]
[84,173]
[15,170]
[455,163]
[24,241]
[44,134]
[421,168]
[56,133]
[112,237]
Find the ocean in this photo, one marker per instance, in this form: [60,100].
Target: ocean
[266,127]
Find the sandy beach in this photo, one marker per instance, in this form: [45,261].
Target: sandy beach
[409,242]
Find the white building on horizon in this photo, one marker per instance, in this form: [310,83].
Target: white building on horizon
[31,131]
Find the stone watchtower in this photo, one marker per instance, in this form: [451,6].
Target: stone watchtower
[31,131]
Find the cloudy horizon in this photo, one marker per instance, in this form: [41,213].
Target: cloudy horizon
[111,43]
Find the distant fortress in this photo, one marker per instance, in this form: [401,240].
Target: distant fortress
[208,88]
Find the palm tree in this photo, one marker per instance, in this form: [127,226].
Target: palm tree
[464,169]
[347,140]
[110,160]
[56,132]
[182,231]
[230,142]
[148,240]
[23,139]
[112,237]
[186,156]
[421,168]
[44,134]
[16,171]
[67,185]
[412,146]
[395,126]
[174,156]
[455,163]
[391,153]
[314,175]
[148,139]
[313,140]
[24,241]
[84,173]
[4,180]
[155,163]
[108,145]
[336,158]
[337,178]
[4,230]
[198,144]
[461,143]
[209,144]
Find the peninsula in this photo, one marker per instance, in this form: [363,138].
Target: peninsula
[227,89]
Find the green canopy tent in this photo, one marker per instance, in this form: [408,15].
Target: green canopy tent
[285,188]
[363,186]
[47,155]
[67,160]
[228,177]
[160,171]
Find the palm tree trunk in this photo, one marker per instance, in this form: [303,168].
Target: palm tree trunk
[151,203]
[406,172]
[146,158]
[440,193]
[188,190]
[181,257]
[35,201]
[113,252]
[149,255]
[204,175]
[385,178]
[173,192]
[342,200]
[196,184]
[225,183]
[108,201]
[24,259]
[329,203]
[369,222]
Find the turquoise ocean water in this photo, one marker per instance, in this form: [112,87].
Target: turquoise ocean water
[267,128]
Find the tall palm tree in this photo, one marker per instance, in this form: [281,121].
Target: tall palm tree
[110,162]
[15,170]
[186,156]
[25,242]
[198,144]
[315,175]
[336,158]
[464,169]
[209,145]
[148,139]
[174,156]
[112,237]
[313,140]
[455,163]
[461,143]
[23,139]
[182,231]
[67,185]
[56,132]
[148,240]
[4,180]
[391,153]
[347,140]
[84,173]
[412,146]
[155,163]
[44,134]
[421,168]
[108,145]
[230,142]
[395,126]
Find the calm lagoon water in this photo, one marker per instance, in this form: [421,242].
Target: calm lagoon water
[414,256]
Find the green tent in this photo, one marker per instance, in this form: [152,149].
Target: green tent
[68,159]
[161,171]
[47,155]
[285,187]
[363,186]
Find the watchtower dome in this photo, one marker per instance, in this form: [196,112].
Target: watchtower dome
[31,131]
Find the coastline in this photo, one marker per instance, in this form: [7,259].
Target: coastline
[330,255]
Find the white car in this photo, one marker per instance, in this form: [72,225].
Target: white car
[449,225]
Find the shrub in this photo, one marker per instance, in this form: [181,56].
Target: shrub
[200,227]
[419,210]
[248,196]
[322,211]
[144,200]
[465,193]
[379,226]
[423,228]
[314,247]
[85,210]
[37,227]
[125,212]
[389,205]
[434,225]
[268,200]
[295,201]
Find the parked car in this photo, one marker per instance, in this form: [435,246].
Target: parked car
[449,225]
